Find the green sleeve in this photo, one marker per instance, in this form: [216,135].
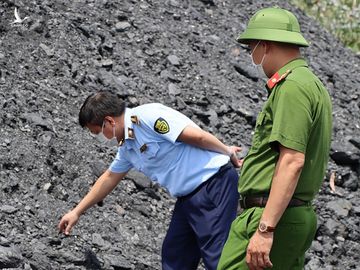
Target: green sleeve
[292,116]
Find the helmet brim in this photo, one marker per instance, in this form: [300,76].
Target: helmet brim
[273,35]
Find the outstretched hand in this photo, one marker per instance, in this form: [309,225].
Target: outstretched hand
[233,157]
[67,222]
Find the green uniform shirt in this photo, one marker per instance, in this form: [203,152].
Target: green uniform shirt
[297,115]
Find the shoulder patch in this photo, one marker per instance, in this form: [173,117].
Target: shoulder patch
[276,78]
[161,126]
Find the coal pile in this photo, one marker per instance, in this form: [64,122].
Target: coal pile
[180,53]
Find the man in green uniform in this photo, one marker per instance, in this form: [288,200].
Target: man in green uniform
[285,166]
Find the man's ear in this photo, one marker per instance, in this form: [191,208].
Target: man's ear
[110,119]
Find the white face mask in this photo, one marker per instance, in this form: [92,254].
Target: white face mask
[258,67]
[101,138]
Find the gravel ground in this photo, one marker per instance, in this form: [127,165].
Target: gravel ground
[180,53]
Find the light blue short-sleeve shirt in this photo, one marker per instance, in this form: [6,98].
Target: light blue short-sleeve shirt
[150,147]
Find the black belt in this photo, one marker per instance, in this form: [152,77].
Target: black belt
[260,201]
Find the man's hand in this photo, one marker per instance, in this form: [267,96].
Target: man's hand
[258,251]
[67,222]
[233,157]
[202,139]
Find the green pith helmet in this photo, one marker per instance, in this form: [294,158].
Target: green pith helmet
[273,24]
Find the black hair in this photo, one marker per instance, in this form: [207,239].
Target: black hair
[99,105]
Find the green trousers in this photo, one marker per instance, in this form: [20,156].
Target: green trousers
[292,237]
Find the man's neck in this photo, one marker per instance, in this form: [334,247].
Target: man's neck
[281,58]
[120,127]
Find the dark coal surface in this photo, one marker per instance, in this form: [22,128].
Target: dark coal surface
[180,53]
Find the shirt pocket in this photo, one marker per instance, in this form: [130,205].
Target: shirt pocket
[260,132]
[151,151]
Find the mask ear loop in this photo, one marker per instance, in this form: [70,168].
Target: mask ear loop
[262,60]
[255,48]
[102,127]
[114,135]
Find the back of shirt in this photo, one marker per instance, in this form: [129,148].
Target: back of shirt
[155,151]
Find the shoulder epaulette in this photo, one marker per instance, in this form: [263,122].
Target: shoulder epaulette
[276,78]
[135,120]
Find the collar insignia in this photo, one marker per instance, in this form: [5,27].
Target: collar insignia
[131,133]
[135,120]
[276,78]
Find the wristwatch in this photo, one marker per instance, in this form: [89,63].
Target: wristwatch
[263,228]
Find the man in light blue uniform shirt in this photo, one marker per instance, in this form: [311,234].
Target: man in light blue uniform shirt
[161,160]
[169,148]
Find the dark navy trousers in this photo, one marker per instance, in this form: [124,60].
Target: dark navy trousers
[201,222]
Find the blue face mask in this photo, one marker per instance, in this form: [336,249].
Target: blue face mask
[258,67]
[101,138]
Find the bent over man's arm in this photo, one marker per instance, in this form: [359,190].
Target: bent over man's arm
[284,182]
[197,137]
[102,187]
